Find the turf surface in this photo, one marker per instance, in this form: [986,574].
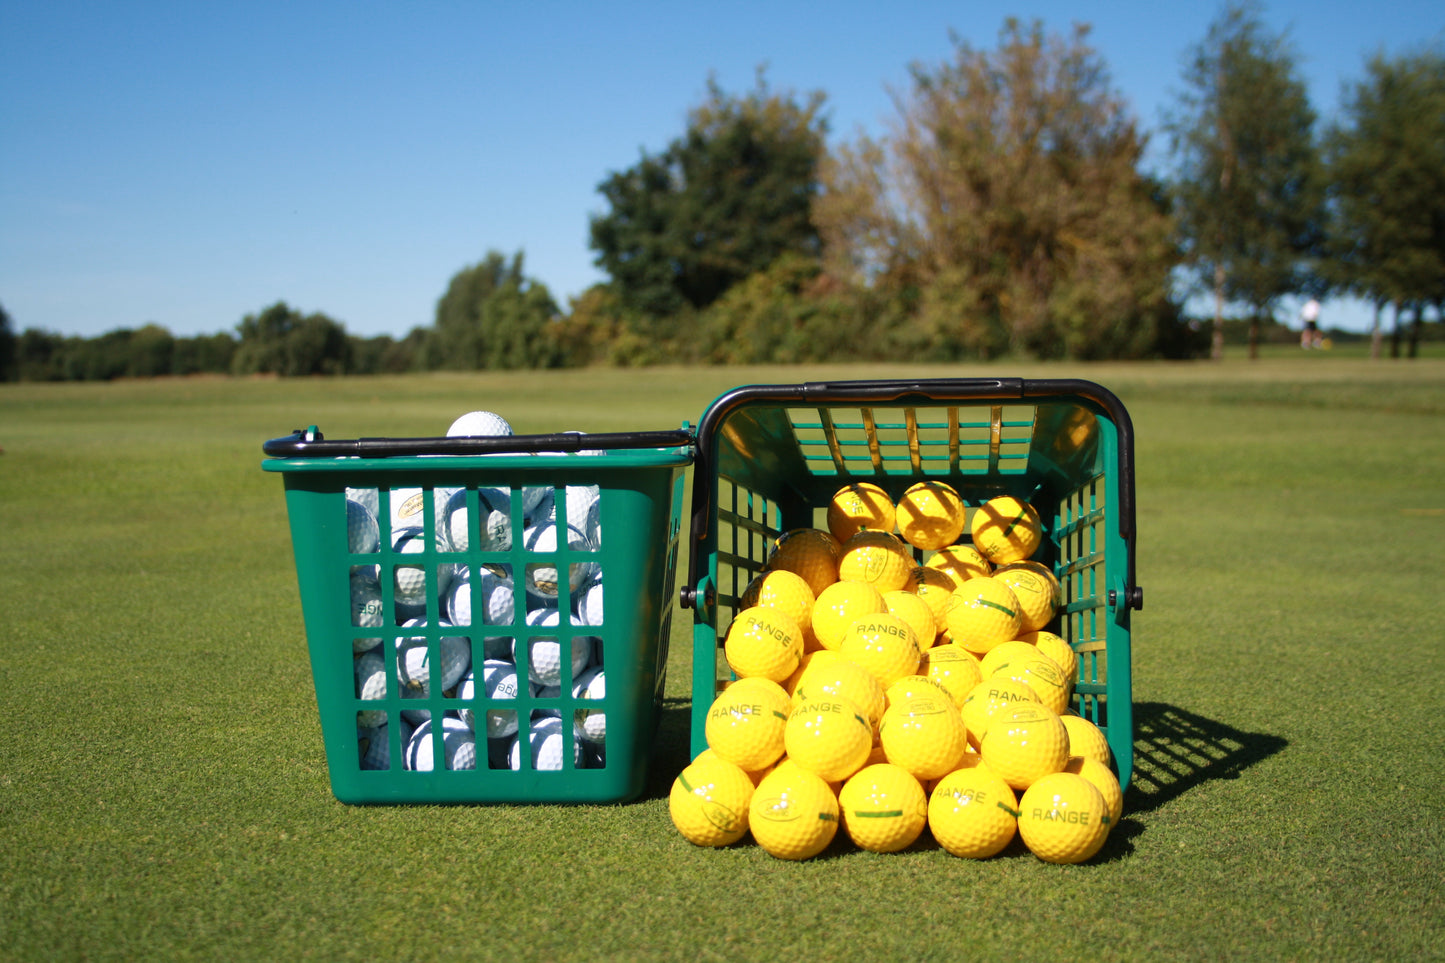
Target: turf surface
[163,793]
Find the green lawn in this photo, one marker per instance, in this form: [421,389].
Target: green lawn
[164,794]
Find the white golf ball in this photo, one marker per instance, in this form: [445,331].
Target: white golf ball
[589,605]
[458,744]
[547,743]
[541,577]
[499,681]
[494,506]
[362,536]
[483,424]
[544,654]
[365,497]
[591,723]
[410,580]
[370,686]
[374,747]
[366,610]
[414,667]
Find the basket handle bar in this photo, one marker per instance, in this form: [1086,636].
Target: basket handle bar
[310,443]
[930,391]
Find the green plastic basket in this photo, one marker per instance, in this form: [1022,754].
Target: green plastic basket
[374,673]
[770,457]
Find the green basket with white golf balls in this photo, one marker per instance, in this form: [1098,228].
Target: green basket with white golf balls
[487,614]
[771,457]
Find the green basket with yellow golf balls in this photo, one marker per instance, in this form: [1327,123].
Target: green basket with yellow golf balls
[487,614]
[779,466]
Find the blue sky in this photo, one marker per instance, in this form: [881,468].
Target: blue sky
[188,163]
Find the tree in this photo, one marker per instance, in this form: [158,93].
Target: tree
[1248,190]
[721,202]
[7,347]
[1007,210]
[283,341]
[493,316]
[1386,159]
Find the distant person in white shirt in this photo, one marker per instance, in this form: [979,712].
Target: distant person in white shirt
[1310,336]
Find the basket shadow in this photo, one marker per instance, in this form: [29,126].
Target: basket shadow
[1176,750]
[671,748]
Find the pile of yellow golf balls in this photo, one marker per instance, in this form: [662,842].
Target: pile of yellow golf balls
[884,698]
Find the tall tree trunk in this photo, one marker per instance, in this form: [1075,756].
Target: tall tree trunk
[1415,331]
[1254,336]
[1395,334]
[1375,333]
[1216,350]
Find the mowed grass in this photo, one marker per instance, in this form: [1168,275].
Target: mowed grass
[164,794]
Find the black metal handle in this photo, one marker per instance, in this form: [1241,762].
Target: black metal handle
[310,443]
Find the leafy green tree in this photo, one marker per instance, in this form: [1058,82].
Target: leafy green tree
[1386,160]
[7,347]
[724,200]
[283,341]
[1248,190]
[1007,211]
[207,353]
[493,316]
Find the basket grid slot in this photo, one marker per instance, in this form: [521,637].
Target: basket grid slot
[927,441]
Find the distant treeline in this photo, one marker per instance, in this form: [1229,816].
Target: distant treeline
[1006,214]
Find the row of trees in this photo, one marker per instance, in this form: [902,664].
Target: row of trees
[1005,211]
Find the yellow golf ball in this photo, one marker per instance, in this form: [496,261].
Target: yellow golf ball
[1006,529]
[982,613]
[986,698]
[1005,654]
[1043,571]
[1063,818]
[953,667]
[1041,674]
[958,564]
[973,813]
[763,642]
[1057,649]
[810,553]
[793,814]
[1035,595]
[877,558]
[756,775]
[709,803]
[911,608]
[830,737]
[883,808]
[1104,780]
[916,686]
[838,605]
[745,723]
[857,506]
[936,589]
[884,645]
[1023,743]
[788,592]
[930,515]
[1086,739]
[924,735]
[842,677]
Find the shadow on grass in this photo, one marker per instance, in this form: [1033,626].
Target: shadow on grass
[1174,751]
[671,748]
